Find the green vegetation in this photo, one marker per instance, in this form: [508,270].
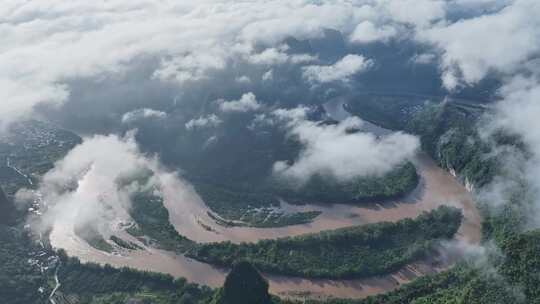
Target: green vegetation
[267,218]
[256,208]
[12,180]
[280,219]
[96,240]
[19,279]
[243,285]
[522,263]
[390,111]
[31,147]
[321,189]
[447,130]
[244,208]
[152,220]
[508,277]
[27,270]
[93,237]
[460,285]
[344,253]
[231,168]
[92,284]
[448,133]
[124,244]
[512,278]
[22,280]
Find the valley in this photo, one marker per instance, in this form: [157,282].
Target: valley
[187,211]
[191,222]
[270,152]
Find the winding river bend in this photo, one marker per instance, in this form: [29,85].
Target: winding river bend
[187,211]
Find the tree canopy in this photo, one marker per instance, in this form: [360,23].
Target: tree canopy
[244,285]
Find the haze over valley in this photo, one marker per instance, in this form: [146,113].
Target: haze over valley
[371,151]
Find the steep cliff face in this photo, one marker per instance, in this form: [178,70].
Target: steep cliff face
[448,131]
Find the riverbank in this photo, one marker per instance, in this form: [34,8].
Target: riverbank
[190,217]
[437,187]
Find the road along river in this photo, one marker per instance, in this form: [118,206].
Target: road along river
[189,214]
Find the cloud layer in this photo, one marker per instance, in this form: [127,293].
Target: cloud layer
[208,121]
[500,42]
[342,70]
[340,151]
[93,184]
[248,102]
[48,44]
[141,114]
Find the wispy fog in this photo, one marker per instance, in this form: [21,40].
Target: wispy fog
[92,186]
[340,150]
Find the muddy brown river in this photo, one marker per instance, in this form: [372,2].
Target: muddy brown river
[188,214]
[437,187]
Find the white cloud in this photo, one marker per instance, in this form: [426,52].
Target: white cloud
[209,121]
[425,58]
[270,56]
[268,75]
[248,102]
[302,58]
[517,113]
[291,116]
[189,68]
[481,5]
[141,114]
[367,32]
[243,79]
[503,42]
[342,70]
[86,189]
[278,55]
[417,12]
[333,150]
[46,43]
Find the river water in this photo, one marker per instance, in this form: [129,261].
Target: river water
[187,211]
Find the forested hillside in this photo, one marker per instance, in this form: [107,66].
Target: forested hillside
[231,168]
[19,280]
[449,133]
[361,251]
[243,285]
